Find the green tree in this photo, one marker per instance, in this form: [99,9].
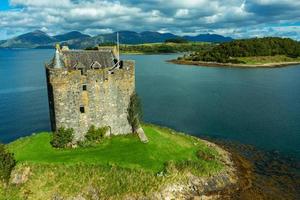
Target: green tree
[268,46]
[176,40]
[62,137]
[7,163]
[135,112]
[96,134]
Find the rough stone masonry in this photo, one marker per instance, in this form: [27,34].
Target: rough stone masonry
[89,87]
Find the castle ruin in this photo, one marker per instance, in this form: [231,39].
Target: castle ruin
[90,87]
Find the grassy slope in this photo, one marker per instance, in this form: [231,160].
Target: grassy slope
[267,59]
[124,151]
[115,168]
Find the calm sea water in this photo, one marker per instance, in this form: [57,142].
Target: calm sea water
[253,106]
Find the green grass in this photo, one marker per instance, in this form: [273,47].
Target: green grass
[115,168]
[267,59]
[124,151]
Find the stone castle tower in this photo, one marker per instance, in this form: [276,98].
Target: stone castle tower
[89,87]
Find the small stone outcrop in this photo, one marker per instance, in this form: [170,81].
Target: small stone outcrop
[142,135]
[20,175]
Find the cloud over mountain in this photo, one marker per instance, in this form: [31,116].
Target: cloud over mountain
[237,18]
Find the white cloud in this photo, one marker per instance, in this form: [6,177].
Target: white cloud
[237,18]
[41,3]
[182,13]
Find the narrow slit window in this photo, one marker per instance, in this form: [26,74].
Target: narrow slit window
[82,109]
[84,87]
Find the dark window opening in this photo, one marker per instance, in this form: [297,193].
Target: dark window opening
[81,70]
[81,109]
[84,87]
[121,64]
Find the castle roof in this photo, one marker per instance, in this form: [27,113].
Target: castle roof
[104,57]
[88,58]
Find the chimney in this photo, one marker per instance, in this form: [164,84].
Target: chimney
[57,61]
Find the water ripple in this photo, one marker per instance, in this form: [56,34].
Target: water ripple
[20,90]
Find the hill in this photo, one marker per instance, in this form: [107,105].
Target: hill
[268,51]
[77,40]
[117,168]
[70,36]
[28,40]
[208,38]
[126,37]
[131,37]
[40,39]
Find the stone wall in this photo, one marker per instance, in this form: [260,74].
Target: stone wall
[105,100]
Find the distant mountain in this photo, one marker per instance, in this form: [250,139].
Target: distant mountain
[70,36]
[149,36]
[28,40]
[126,37]
[208,38]
[75,39]
[40,39]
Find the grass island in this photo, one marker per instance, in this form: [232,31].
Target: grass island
[118,167]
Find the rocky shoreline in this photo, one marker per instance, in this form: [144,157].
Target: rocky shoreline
[249,174]
[262,175]
[216,64]
[210,187]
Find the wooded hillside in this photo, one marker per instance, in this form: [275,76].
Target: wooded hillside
[228,51]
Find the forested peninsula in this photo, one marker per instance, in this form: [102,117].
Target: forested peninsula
[255,52]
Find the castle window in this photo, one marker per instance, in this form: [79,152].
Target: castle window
[121,64]
[84,87]
[96,65]
[82,109]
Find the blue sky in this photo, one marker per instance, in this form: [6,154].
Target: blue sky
[236,18]
[4,5]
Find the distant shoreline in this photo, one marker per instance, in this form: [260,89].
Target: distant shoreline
[216,64]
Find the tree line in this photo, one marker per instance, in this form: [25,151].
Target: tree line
[228,51]
[170,46]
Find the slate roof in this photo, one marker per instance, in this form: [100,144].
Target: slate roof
[86,58]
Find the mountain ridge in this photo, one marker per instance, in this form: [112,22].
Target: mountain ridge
[77,40]
[71,35]
[208,37]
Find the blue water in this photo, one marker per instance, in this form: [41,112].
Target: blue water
[253,106]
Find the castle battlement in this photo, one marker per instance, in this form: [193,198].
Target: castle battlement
[88,88]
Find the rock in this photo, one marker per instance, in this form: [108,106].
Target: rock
[142,135]
[57,197]
[20,176]
[79,197]
[93,193]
